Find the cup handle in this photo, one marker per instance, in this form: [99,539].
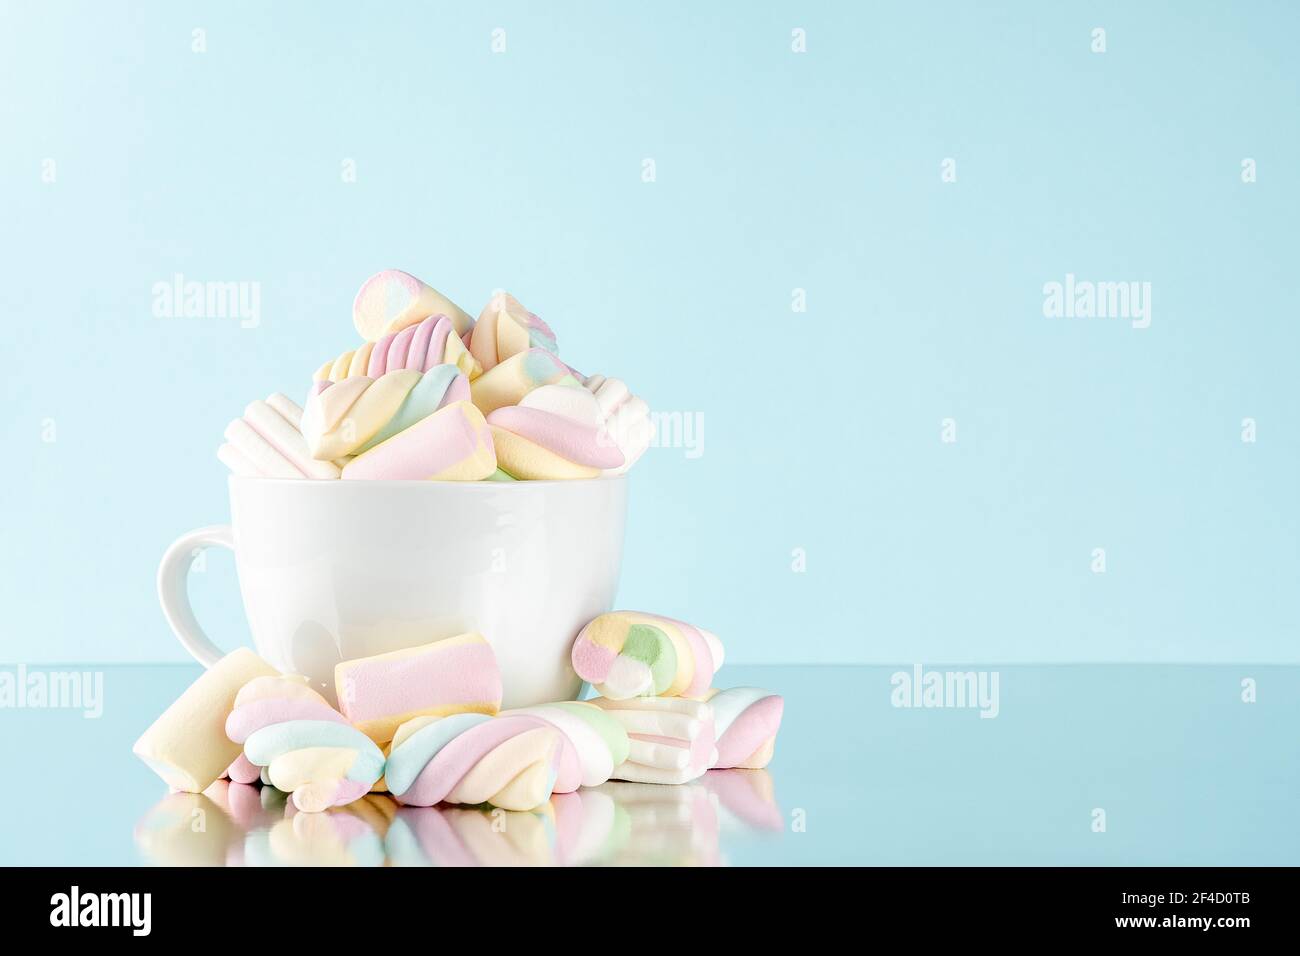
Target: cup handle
[174,597]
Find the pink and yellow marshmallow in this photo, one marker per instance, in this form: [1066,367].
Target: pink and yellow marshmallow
[455,675]
[308,748]
[391,300]
[745,721]
[507,382]
[553,433]
[432,341]
[510,762]
[626,654]
[505,328]
[403,425]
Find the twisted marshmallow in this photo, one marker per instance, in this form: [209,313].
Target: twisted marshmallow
[268,443]
[509,381]
[433,341]
[308,748]
[626,654]
[452,444]
[356,414]
[505,328]
[745,720]
[599,742]
[554,432]
[625,417]
[509,762]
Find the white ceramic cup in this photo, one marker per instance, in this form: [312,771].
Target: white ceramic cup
[335,570]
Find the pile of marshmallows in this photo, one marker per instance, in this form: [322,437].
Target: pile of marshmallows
[434,394]
[425,724]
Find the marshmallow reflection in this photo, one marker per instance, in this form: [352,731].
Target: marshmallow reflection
[617,823]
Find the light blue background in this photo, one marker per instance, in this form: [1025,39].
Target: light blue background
[775,171]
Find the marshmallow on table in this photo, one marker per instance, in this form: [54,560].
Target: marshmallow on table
[451,676]
[242,770]
[187,746]
[391,300]
[631,654]
[452,444]
[553,433]
[268,443]
[307,747]
[505,328]
[356,414]
[625,417]
[599,742]
[745,721]
[509,381]
[432,341]
[670,739]
[509,762]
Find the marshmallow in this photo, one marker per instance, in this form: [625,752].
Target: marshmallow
[391,300]
[452,444]
[357,414]
[243,771]
[418,347]
[509,762]
[670,739]
[745,721]
[505,328]
[268,443]
[452,676]
[599,742]
[629,654]
[553,433]
[508,382]
[306,746]
[187,746]
[625,417]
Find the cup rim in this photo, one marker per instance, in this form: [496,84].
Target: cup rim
[234,479]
